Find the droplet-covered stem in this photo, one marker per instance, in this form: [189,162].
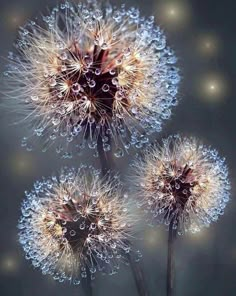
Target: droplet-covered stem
[87,284]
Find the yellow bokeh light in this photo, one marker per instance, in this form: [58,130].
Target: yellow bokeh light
[15,17]
[200,237]
[173,14]
[9,263]
[22,163]
[212,88]
[153,237]
[208,45]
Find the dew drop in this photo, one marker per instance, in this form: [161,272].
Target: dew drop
[56,120]
[72,233]
[104,46]
[115,81]
[112,71]
[119,152]
[76,88]
[52,82]
[82,226]
[63,56]
[177,186]
[60,45]
[119,95]
[34,98]
[92,83]
[63,68]
[93,226]
[97,71]
[106,147]
[105,88]
[118,62]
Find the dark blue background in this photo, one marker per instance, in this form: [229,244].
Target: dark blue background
[206,262]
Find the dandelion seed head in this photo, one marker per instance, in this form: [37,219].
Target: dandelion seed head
[75,224]
[92,71]
[182,182]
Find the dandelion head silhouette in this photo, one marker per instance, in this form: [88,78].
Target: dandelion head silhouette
[90,71]
[182,182]
[75,224]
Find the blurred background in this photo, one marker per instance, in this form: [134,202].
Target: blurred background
[202,34]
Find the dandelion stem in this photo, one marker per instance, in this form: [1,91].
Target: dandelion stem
[170,259]
[107,164]
[105,157]
[138,276]
[87,284]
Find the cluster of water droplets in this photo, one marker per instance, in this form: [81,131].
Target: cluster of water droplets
[73,225]
[121,114]
[183,183]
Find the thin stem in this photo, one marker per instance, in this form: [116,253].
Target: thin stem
[87,284]
[105,157]
[138,276]
[107,164]
[170,259]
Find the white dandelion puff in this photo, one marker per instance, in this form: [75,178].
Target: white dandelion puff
[183,183]
[93,71]
[75,224]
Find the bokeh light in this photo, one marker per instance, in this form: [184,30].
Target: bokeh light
[153,237]
[173,14]
[212,87]
[208,45]
[15,17]
[22,164]
[202,259]
[9,263]
[201,237]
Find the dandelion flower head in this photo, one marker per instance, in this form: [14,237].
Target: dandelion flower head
[75,224]
[182,182]
[93,71]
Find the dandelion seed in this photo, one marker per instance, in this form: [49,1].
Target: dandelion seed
[93,71]
[184,185]
[182,182]
[75,224]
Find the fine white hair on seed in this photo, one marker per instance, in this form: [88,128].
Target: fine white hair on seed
[77,223]
[92,71]
[181,182]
